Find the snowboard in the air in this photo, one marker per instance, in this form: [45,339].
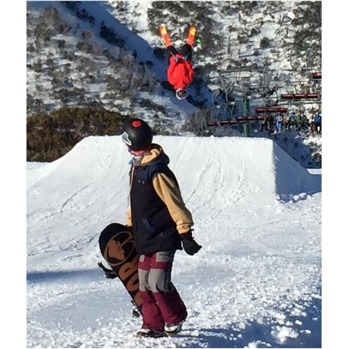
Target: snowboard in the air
[117,247]
[166,36]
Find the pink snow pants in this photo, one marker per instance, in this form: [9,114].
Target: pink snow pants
[161,303]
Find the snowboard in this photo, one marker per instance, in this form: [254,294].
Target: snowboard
[165,35]
[117,248]
[167,40]
[191,35]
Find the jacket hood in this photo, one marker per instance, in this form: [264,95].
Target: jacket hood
[155,155]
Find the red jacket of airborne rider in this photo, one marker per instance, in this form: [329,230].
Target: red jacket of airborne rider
[180,72]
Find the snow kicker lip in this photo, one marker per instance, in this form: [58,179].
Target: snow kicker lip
[119,248]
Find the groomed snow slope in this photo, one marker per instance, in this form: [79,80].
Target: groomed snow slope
[257,215]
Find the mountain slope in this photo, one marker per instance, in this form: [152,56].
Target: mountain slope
[248,49]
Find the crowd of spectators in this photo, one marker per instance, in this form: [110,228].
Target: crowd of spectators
[295,120]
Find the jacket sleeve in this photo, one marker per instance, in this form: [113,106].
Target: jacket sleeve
[170,194]
[190,72]
[170,70]
[128,217]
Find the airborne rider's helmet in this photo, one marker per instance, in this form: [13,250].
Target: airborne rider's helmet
[181,94]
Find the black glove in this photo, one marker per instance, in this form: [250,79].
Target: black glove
[189,244]
[108,273]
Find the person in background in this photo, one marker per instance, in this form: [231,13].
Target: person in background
[292,120]
[317,122]
[311,122]
[270,123]
[161,224]
[278,122]
[298,121]
[304,121]
[286,122]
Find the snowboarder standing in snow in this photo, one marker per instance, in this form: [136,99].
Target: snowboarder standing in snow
[160,224]
[180,72]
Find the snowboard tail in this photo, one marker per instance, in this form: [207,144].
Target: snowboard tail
[165,36]
[117,247]
[191,35]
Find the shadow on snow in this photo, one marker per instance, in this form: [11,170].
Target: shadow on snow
[69,275]
[308,328]
[309,333]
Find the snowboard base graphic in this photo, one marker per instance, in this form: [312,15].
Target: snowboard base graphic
[117,247]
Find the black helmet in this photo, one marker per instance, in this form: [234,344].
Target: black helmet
[137,134]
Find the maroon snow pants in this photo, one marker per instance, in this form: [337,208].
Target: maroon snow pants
[161,303]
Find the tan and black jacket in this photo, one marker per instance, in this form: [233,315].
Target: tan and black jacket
[157,213]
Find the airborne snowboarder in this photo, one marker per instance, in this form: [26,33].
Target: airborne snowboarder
[180,72]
